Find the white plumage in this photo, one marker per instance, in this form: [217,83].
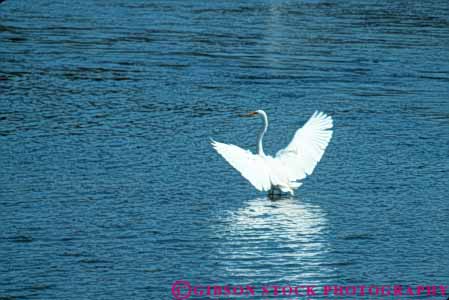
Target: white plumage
[290,165]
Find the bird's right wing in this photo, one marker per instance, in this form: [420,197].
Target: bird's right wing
[252,167]
[300,157]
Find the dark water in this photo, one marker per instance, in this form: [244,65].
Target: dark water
[109,188]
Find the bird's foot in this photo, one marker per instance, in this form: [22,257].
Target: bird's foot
[276,194]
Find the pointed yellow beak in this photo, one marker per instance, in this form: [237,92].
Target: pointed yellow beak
[251,114]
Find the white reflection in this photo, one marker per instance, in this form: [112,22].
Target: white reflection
[284,238]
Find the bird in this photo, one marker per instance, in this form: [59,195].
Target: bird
[284,172]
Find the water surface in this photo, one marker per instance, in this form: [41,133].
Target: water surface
[109,188]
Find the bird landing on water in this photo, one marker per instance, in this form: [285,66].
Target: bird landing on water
[282,173]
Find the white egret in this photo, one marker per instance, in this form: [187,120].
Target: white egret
[282,172]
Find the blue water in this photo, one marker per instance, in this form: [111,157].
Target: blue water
[109,188]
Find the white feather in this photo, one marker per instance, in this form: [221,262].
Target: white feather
[307,147]
[251,166]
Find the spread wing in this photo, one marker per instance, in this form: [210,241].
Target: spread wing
[307,147]
[252,167]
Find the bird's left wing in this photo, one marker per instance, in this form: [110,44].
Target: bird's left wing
[252,167]
[300,157]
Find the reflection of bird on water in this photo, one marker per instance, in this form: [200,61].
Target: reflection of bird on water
[290,235]
[281,173]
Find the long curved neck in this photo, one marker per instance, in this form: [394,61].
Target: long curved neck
[261,134]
